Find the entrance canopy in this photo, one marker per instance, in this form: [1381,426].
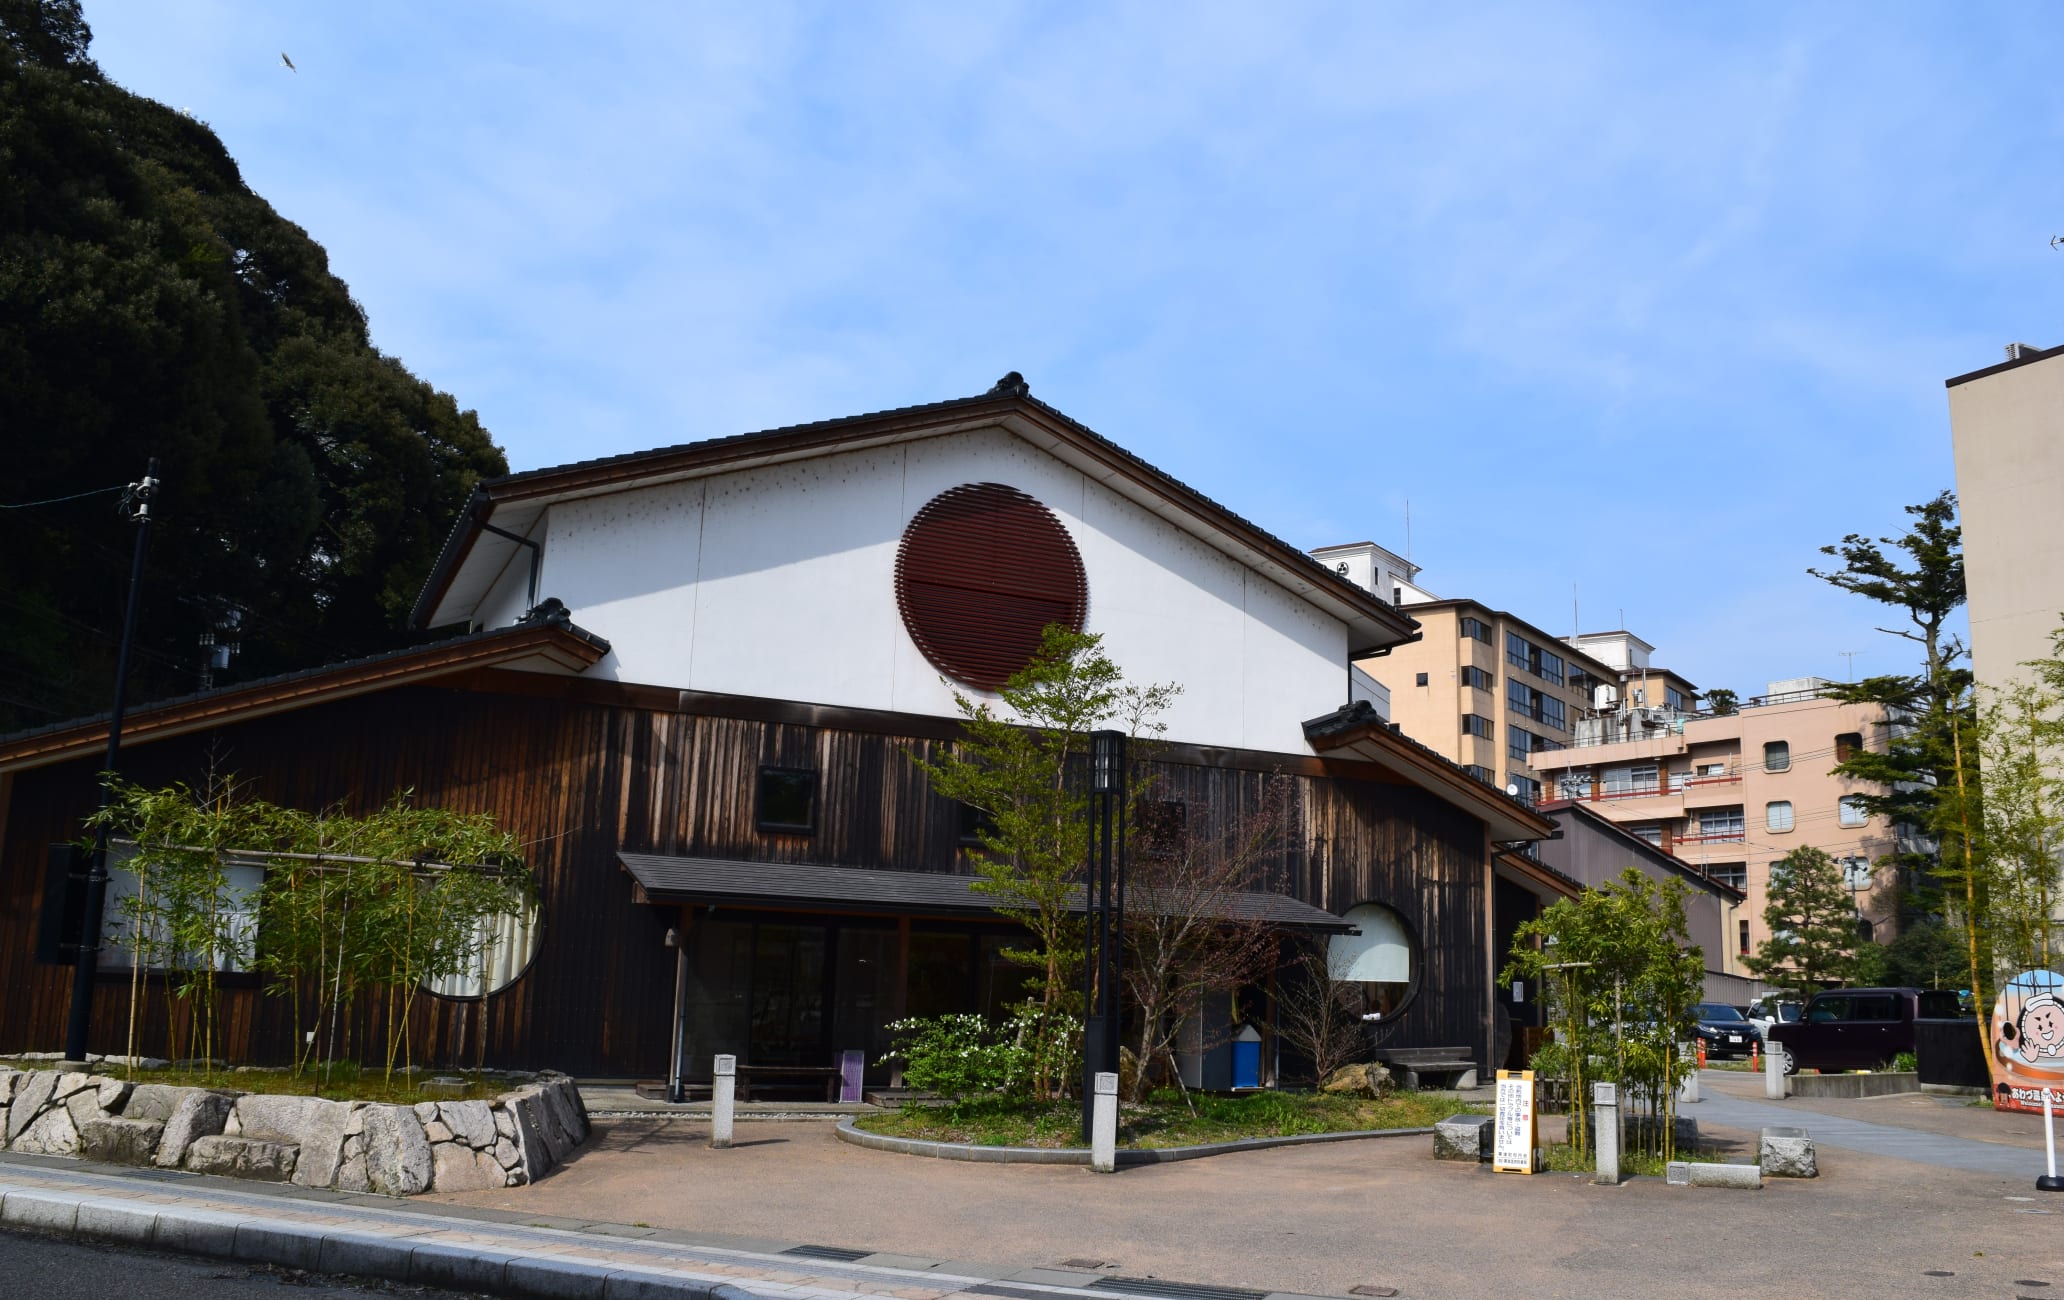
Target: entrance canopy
[788,886]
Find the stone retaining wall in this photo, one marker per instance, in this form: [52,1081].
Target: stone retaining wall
[353,1146]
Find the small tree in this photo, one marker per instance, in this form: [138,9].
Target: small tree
[2022,821]
[1619,976]
[1186,939]
[1318,1010]
[1721,702]
[1812,920]
[1018,768]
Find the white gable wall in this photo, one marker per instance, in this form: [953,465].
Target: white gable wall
[779,582]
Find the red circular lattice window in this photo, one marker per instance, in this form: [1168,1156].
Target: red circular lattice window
[982,570]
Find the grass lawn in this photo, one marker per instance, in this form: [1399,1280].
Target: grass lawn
[346,1083]
[1164,1120]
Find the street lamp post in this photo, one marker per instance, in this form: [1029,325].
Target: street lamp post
[1104,904]
[80,1022]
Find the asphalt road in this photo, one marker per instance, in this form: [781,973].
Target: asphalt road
[52,1269]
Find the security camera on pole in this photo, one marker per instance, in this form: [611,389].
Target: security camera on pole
[137,503]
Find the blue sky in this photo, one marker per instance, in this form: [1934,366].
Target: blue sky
[1652,300]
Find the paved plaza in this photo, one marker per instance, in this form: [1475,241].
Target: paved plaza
[790,1212]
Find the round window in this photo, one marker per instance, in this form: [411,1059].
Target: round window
[981,571]
[1383,959]
[505,945]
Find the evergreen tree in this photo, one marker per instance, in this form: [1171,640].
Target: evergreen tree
[1812,921]
[1924,768]
[152,305]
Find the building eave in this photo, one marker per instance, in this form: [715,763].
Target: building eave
[541,647]
[1358,731]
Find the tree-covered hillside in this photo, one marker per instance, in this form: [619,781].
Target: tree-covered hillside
[152,305]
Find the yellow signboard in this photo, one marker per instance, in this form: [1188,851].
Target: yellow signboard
[1515,1130]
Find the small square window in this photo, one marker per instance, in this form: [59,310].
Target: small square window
[974,822]
[1162,823]
[1848,745]
[1777,756]
[1422,679]
[788,800]
[1853,813]
[1778,816]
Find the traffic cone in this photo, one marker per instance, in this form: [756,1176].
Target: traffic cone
[1755,1057]
[1701,1053]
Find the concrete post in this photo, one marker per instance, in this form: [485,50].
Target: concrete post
[1688,1091]
[1103,1125]
[723,1087]
[1605,1132]
[1774,1072]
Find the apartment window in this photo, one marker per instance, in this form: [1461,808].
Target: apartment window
[1644,778]
[1777,756]
[1421,680]
[1522,653]
[1778,815]
[1721,824]
[1675,699]
[1650,831]
[1543,742]
[1527,787]
[1519,743]
[1619,780]
[1856,873]
[1481,773]
[1552,714]
[1476,630]
[788,800]
[1475,725]
[1519,697]
[1712,769]
[1848,745]
[1744,938]
[1852,813]
[1474,676]
[1730,873]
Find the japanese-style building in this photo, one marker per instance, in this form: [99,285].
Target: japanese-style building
[692,681]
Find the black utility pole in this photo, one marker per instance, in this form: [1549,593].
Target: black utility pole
[1104,902]
[137,500]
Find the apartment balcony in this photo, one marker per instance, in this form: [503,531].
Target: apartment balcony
[1732,836]
[1643,803]
[1703,790]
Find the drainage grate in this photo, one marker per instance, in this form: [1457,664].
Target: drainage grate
[1147,1286]
[1004,1291]
[839,1253]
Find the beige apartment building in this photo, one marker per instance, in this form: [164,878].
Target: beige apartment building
[2007,424]
[1730,795]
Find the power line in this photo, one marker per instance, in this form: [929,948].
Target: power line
[76,496]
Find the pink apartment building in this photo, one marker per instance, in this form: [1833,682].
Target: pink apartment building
[1730,795]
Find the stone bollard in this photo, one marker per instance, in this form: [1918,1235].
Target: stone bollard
[1103,1125]
[1605,1132]
[1688,1091]
[723,1087]
[1774,1072]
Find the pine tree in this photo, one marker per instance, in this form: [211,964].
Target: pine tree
[1812,921]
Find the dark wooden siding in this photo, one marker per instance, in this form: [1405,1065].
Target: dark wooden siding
[578,780]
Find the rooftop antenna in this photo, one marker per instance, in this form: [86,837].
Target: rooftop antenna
[1408,530]
[1576,622]
[1850,665]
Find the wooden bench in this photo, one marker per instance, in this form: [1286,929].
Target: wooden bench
[1412,1064]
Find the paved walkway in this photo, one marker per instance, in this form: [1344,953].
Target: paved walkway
[473,1249]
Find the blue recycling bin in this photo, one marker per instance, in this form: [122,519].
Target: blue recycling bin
[1247,1059]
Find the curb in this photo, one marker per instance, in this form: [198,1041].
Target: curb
[1128,1157]
[85,1217]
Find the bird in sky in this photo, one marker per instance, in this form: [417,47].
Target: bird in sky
[289,62]
[2055,240]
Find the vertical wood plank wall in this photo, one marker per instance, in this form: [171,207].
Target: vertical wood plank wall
[579,780]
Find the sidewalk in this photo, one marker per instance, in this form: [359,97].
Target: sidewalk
[501,1253]
[1946,1132]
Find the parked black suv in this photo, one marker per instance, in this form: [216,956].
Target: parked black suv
[1724,1030]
